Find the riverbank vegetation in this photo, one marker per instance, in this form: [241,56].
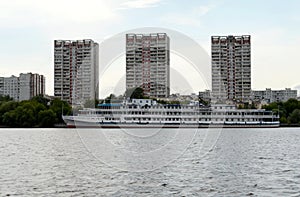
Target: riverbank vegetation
[37,112]
[288,111]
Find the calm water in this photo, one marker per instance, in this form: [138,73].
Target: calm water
[178,162]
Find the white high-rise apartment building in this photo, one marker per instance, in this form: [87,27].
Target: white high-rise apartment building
[148,63]
[231,68]
[76,70]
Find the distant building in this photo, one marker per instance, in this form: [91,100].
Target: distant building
[148,63]
[76,70]
[11,87]
[182,98]
[142,102]
[31,85]
[24,87]
[231,68]
[270,96]
[1,86]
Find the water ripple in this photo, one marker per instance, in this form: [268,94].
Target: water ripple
[244,162]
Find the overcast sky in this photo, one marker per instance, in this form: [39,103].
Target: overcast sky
[28,28]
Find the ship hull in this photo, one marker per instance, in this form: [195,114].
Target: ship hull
[94,124]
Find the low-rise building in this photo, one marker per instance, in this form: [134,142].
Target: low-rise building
[142,102]
[270,95]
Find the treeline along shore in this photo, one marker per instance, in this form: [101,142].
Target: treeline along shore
[40,112]
[37,112]
[288,111]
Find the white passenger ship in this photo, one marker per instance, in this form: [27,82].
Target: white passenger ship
[142,113]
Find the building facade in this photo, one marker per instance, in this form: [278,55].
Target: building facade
[31,85]
[1,86]
[25,81]
[76,70]
[24,87]
[231,68]
[148,63]
[11,87]
[270,96]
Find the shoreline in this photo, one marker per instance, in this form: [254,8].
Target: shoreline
[163,126]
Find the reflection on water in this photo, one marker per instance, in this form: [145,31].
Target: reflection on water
[186,162]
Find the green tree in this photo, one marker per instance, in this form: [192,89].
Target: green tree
[291,105]
[6,107]
[5,98]
[135,93]
[33,113]
[283,119]
[60,108]
[25,116]
[294,117]
[110,98]
[270,106]
[46,118]
[9,118]
[35,107]
[175,102]
[19,117]
[288,111]
[41,99]
[161,101]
